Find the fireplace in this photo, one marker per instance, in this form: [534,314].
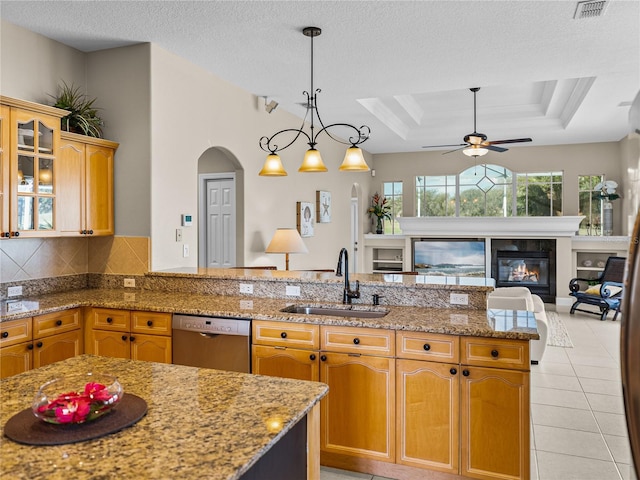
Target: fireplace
[525,263]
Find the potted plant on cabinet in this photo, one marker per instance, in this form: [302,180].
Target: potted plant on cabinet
[84,117]
[381,209]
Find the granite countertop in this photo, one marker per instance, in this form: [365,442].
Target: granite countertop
[498,324]
[200,422]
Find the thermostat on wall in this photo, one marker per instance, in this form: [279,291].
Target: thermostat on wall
[186,220]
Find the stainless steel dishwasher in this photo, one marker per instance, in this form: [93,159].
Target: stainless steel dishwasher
[212,342]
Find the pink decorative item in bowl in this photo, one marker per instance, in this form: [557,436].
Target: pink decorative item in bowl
[77,398]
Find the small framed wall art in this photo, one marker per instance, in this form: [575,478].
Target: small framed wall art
[304,218]
[323,206]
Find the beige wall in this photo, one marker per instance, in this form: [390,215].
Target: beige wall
[573,160]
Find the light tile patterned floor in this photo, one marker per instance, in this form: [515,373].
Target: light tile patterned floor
[578,426]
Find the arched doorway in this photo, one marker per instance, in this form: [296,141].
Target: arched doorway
[220,209]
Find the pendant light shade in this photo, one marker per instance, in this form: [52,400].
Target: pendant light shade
[273,167]
[312,162]
[354,161]
[475,151]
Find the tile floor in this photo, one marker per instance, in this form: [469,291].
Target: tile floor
[578,426]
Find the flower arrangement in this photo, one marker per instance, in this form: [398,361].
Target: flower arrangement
[606,189]
[379,207]
[76,405]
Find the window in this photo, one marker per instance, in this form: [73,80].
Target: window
[436,196]
[588,206]
[539,194]
[489,191]
[392,191]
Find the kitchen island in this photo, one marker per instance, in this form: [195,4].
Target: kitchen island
[200,423]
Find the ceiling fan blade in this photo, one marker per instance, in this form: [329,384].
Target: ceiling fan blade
[440,146]
[456,149]
[513,140]
[495,149]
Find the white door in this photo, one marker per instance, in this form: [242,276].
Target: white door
[220,223]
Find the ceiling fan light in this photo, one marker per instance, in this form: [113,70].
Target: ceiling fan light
[475,151]
[273,167]
[312,162]
[354,161]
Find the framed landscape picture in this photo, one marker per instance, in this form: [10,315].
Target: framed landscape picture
[323,206]
[304,218]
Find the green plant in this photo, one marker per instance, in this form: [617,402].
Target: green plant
[379,207]
[84,117]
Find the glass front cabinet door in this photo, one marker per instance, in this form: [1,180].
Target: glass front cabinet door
[34,135]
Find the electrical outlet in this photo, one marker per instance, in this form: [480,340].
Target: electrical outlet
[292,291]
[130,282]
[246,288]
[178,234]
[129,297]
[246,304]
[185,250]
[14,291]
[15,306]
[459,299]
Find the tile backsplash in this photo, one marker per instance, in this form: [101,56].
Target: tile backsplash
[34,258]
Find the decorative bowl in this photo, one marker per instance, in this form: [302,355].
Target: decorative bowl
[77,399]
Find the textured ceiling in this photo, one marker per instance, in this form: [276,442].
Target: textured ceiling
[401,67]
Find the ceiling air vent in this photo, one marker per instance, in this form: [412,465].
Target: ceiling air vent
[589,9]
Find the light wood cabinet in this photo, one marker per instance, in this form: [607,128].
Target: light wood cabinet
[34,136]
[4,170]
[129,334]
[428,398]
[85,193]
[289,350]
[35,342]
[495,408]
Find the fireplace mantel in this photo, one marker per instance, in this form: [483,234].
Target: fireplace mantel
[514,227]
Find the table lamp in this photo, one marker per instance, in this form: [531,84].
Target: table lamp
[286,240]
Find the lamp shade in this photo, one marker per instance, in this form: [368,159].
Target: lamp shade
[312,162]
[273,167]
[286,240]
[354,161]
[475,151]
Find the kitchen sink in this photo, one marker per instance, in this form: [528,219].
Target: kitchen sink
[333,311]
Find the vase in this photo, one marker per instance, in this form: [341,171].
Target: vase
[607,218]
[379,228]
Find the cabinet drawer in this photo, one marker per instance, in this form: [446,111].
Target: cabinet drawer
[56,322]
[368,341]
[428,346]
[494,352]
[109,319]
[299,335]
[15,331]
[154,323]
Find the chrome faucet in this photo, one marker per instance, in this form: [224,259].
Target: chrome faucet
[347,293]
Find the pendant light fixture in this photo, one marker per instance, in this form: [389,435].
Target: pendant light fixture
[312,162]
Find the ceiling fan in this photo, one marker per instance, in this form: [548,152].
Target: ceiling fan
[476,144]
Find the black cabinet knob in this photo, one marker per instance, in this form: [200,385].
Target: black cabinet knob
[90,232]
[124,337]
[465,373]
[30,346]
[283,334]
[16,234]
[323,358]
[5,334]
[109,320]
[149,323]
[494,353]
[356,341]
[427,347]
[132,338]
[312,357]
[58,322]
[453,371]
[83,232]
[39,344]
